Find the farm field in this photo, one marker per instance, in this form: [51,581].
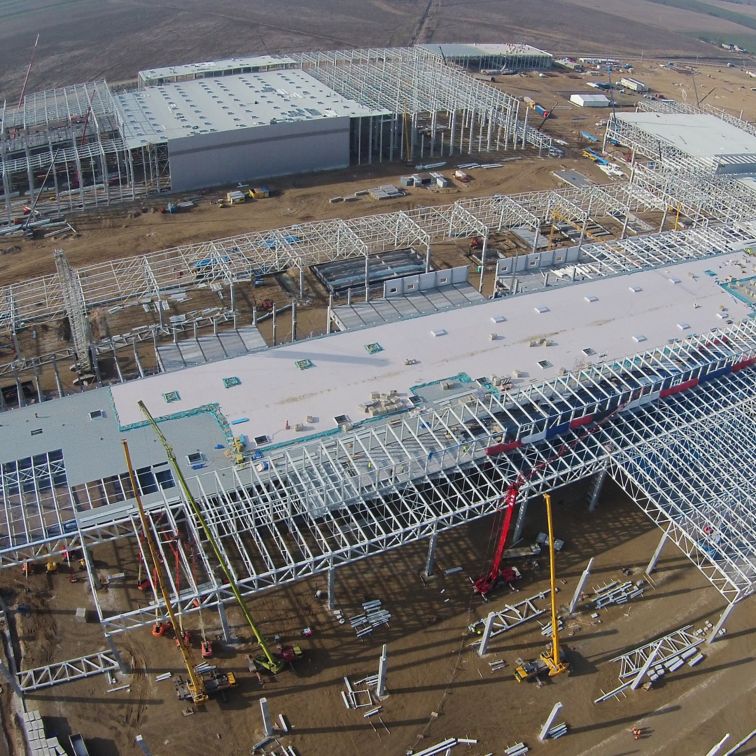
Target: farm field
[87,39]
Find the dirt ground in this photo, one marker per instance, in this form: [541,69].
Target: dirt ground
[87,39]
[438,686]
[298,199]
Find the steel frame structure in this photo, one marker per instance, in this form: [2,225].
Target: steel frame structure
[242,257]
[416,86]
[75,132]
[66,671]
[667,647]
[515,614]
[341,498]
[706,510]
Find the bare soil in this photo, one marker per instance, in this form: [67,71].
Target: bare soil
[438,686]
[298,199]
[87,39]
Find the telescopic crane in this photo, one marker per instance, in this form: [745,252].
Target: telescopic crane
[269,661]
[551,661]
[198,687]
[553,657]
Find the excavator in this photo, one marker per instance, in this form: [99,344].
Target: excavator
[268,660]
[198,687]
[552,661]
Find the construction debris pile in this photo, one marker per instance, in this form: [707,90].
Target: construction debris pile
[443,747]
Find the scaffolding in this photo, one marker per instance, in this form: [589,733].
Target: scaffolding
[65,148]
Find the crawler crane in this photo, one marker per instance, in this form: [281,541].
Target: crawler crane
[198,687]
[268,660]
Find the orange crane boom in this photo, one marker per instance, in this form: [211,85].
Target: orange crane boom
[196,684]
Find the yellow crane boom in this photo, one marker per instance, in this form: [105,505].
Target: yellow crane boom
[270,661]
[553,659]
[196,684]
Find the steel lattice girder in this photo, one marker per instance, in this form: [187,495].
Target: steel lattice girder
[336,500]
[67,671]
[667,647]
[700,488]
[299,246]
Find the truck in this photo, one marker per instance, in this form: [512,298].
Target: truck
[78,746]
[529,670]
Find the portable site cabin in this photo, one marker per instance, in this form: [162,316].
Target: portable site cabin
[590,100]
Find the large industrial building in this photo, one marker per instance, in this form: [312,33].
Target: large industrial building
[683,134]
[198,125]
[363,440]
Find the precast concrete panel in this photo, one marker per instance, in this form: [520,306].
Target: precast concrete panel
[258,152]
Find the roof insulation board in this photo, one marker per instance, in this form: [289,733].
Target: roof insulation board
[697,135]
[343,373]
[171,111]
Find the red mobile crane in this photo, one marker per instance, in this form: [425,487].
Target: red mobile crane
[584,426]
[486,583]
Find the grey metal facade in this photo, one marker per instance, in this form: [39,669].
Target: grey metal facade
[258,152]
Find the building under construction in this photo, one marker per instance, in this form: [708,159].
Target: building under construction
[617,345]
[199,125]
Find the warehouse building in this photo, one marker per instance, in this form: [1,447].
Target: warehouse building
[250,125]
[514,57]
[700,138]
[198,125]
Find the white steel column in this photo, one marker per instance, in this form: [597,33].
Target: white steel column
[380,686]
[483,647]
[543,734]
[430,560]
[652,654]
[331,588]
[581,584]
[655,558]
[720,623]
[265,712]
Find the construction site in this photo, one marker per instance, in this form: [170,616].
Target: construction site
[351,402]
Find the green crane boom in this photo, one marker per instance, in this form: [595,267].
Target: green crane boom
[196,684]
[269,661]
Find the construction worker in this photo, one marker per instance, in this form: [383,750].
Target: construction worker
[51,567]
[637,733]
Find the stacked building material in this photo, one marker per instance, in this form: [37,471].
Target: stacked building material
[557,731]
[617,593]
[546,629]
[444,746]
[518,749]
[374,616]
[34,732]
